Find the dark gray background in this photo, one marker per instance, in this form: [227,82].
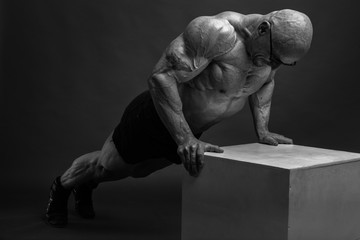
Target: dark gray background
[69,68]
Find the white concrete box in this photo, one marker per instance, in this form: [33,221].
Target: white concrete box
[285,192]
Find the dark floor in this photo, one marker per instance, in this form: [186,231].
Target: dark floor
[129,209]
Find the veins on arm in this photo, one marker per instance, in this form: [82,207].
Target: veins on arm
[260,105]
[183,60]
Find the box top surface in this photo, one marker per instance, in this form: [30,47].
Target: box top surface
[285,156]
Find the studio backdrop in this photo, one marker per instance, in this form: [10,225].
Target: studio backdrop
[69,69]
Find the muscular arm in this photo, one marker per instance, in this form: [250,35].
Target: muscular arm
[260,104]
[164,91]
[187,56]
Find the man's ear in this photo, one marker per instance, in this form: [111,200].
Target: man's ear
[263,27]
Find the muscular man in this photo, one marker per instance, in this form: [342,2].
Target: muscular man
[204,76]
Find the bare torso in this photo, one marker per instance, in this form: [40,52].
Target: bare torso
[208,72]
[222,88]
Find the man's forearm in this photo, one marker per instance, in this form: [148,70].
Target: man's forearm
[261,115]
[260,104]
[164,91]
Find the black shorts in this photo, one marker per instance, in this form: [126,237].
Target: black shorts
[141,134]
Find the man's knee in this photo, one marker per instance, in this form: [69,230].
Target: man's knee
[112,167]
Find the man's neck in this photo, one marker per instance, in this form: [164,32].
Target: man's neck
[252,21]
[249,26]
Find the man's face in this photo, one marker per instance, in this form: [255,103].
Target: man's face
[264,52]
[273,58]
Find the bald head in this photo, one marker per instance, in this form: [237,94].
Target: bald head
[291,34]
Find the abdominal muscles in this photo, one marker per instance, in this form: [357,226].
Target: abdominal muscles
[219,92]
[203,109]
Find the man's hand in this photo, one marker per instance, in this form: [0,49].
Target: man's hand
[274,139]
[192,154]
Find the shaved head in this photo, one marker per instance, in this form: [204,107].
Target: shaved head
[292,34]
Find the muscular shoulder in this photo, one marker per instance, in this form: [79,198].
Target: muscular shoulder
[209,37]
[204,39]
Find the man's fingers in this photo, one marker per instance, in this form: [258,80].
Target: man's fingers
[200,158]
[193,164]
[213,148]
[270,141]
[192,155]
[182,154]
[193,150]
[187,154]
[284,140]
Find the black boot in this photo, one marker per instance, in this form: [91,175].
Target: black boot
[83,200]
[56,212]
